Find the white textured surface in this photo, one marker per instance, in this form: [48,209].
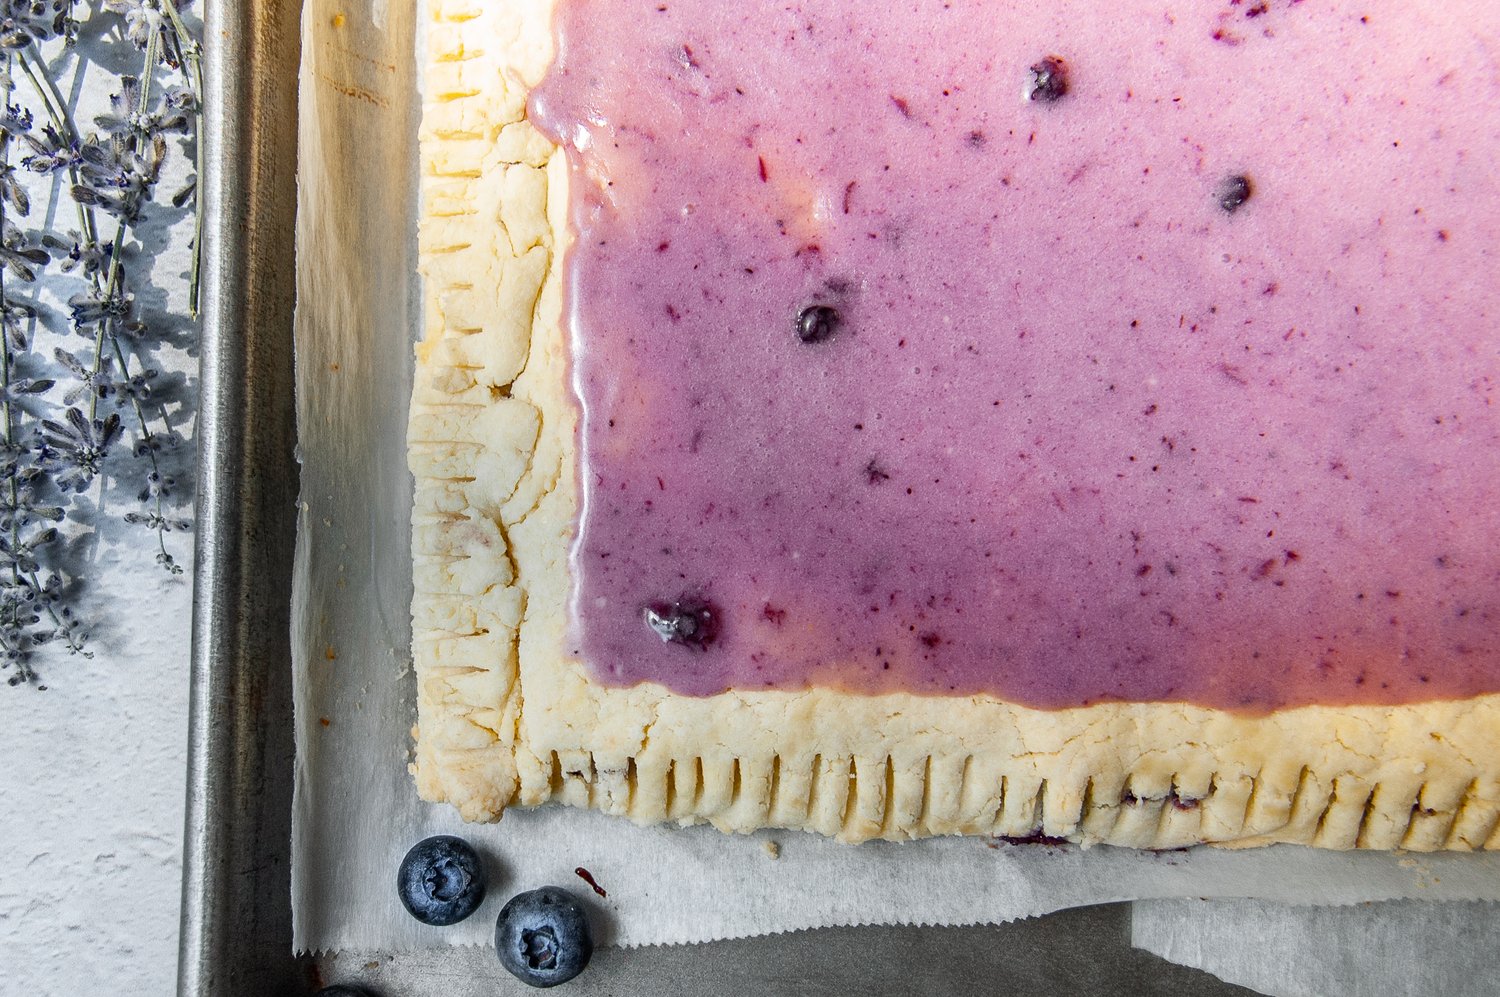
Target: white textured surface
[93,796]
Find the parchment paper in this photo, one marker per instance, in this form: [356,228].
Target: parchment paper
[356,810]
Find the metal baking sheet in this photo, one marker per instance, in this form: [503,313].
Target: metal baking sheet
[1080,951]
[236,917]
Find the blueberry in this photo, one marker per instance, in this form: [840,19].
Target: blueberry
[690,621]
[543,937]
[1048,80]
[441,880]
[1232,192]
[817,323]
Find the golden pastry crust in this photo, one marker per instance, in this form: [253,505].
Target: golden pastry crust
[506,717]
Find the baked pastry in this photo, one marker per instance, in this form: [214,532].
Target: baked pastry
[984,418]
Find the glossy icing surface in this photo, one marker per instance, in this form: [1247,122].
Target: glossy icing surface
[1080,432]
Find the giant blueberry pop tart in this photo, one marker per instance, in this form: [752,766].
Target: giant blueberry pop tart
[901,419]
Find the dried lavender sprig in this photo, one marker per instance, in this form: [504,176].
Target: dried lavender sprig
[18,634]
[192,57]
[15,631]
[158,522]
[52,103]
[111,291]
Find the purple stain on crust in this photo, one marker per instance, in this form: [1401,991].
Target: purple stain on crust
[1033,838]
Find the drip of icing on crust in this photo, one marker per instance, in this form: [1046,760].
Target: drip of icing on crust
[1173,382]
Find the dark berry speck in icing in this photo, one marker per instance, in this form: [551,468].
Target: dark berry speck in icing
[1168,374]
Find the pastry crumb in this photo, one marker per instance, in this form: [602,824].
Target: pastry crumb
[773,849]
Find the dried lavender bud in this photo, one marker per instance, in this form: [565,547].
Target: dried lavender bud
[1048,80]
[690,621]
[30,22]
[1232,192]
[817,323]
[75,450]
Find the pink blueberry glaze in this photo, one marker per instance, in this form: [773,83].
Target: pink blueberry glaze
[1081,434]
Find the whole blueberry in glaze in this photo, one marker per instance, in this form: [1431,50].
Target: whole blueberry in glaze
[817,323]
[690,621]
[441,880]
[1232,192]
[1048,80]
[543,937]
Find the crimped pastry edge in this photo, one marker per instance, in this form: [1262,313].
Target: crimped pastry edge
[506,718]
